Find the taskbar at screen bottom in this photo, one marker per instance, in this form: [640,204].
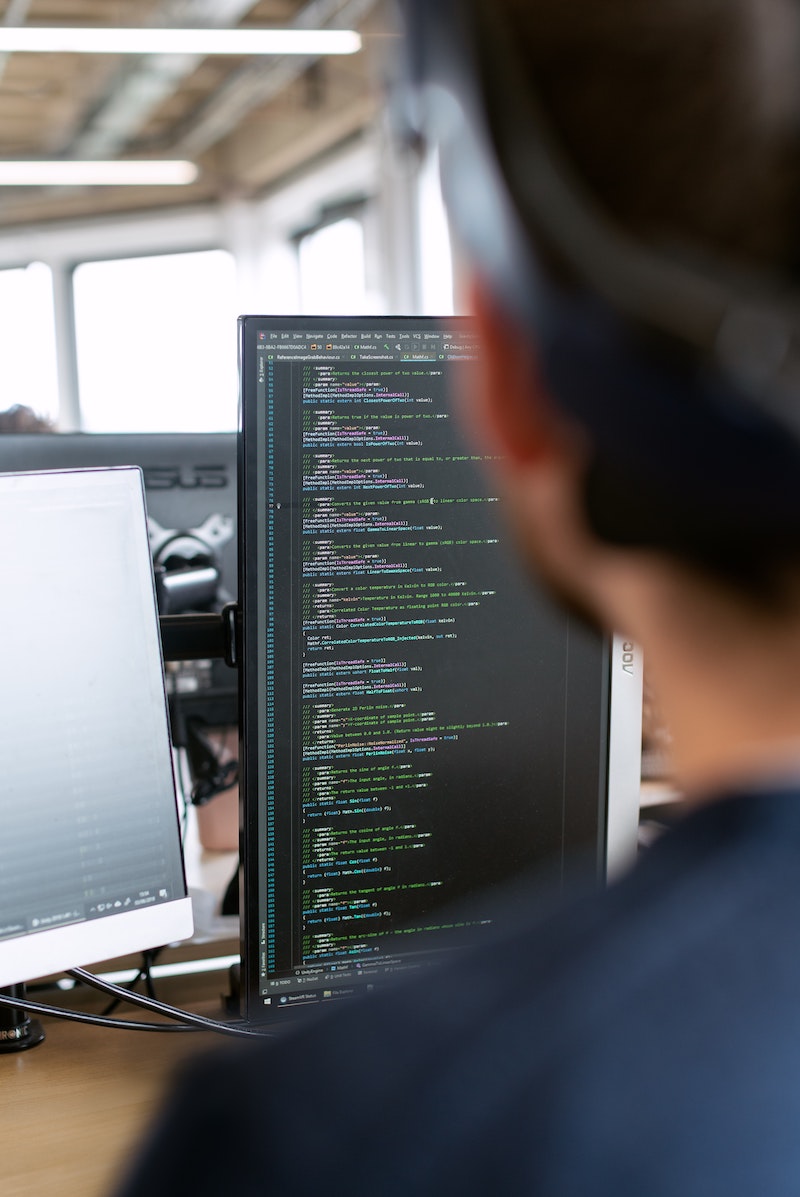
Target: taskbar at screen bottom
[312,986]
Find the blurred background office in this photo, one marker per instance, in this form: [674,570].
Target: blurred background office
[118,301]
[287,194]
[282,192]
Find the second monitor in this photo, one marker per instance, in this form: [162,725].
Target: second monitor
[191,495]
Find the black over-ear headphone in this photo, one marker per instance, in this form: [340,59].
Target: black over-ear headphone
[685,372]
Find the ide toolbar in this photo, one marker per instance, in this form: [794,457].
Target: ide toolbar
[441,345]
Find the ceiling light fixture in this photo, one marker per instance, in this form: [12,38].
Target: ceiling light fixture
[39,40]
[131,173]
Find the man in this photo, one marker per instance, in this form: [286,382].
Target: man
[622,177]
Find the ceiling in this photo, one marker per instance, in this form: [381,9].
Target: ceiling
[246,122]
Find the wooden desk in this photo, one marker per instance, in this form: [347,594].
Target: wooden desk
[74,1108]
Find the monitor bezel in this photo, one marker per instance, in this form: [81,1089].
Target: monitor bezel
[50,950]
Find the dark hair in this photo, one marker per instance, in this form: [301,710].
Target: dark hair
[20,418]
[680,115]
[680,118]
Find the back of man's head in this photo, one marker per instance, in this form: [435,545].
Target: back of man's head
[680,116]
[649,179]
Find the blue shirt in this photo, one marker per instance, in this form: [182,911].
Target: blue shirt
[639,1042]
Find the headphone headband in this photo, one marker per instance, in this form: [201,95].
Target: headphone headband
[512,194]
[686,374]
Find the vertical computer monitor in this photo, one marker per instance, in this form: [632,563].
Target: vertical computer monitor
[90,855]
[420,725]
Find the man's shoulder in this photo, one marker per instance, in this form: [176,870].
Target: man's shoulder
[566,955]
[583,999]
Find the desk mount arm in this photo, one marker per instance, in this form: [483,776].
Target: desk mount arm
[198,637]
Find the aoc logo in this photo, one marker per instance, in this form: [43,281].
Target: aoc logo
[628,656]
[200,477]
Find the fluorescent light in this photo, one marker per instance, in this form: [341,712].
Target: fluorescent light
[137,173]
[40,40]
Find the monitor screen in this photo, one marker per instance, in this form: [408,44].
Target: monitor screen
[90,856]
[420,725]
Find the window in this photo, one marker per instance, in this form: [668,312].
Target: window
[27,340]
[156,343]
[332,269]
[436,262]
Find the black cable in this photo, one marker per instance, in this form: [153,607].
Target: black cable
[97,1020]
[145,972]
[183,1019]
[149,957]
[137,999]
[211,774]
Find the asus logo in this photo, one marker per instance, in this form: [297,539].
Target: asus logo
[201,477]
